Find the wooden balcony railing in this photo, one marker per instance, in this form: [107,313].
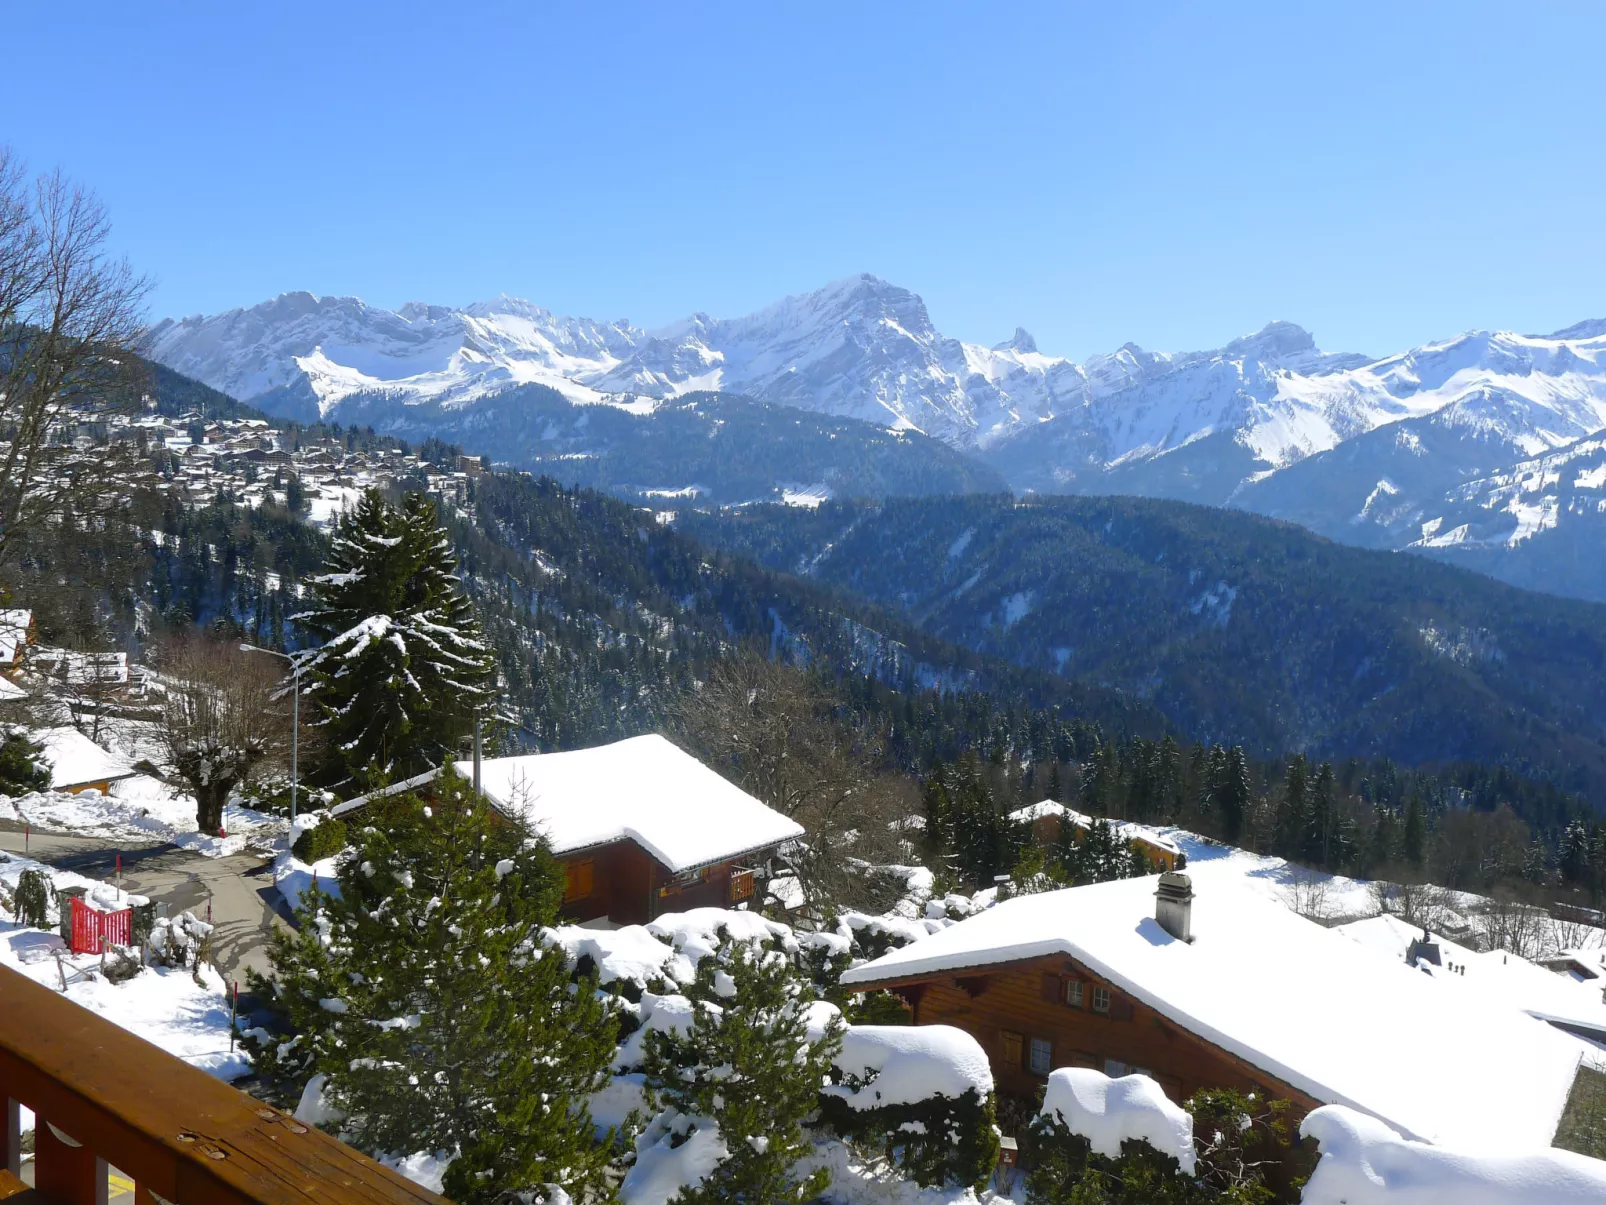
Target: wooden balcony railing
[103,1098]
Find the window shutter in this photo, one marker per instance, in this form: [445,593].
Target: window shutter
[1051,988]
[1120,1006]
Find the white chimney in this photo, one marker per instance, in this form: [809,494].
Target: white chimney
[1173,905]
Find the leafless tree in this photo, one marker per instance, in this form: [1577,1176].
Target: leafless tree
[1506,923]
[1415,903]
[1577,935]
[70,317]
[222,720]
[1306,893]
[772,730]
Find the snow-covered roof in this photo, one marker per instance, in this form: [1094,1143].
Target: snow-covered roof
[1123,828]
[76,760]
[644,790]
[1307,1005]
[1493,975]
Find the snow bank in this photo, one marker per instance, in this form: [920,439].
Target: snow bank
[662,1169]
[1364,1162]
[1108,1111]
[906,1064]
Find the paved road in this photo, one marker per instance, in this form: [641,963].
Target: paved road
[245,907]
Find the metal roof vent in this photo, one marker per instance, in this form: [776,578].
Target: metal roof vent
[1173,905]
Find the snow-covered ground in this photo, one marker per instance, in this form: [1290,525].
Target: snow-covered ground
[167,1007]
[141,807]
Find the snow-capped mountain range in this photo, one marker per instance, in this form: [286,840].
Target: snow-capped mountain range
[1375,451]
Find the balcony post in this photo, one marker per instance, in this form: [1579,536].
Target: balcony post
[66,1173]
[14,1136]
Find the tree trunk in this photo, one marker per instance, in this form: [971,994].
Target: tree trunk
[209,801]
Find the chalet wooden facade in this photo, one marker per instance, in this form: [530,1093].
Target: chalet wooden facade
[624,884]
[1038,1014]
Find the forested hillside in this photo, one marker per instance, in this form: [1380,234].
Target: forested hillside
[717,447]
[1239,629]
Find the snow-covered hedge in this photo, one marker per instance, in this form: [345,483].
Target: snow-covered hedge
[1109,1112]
[1364,1162]
[921,1096]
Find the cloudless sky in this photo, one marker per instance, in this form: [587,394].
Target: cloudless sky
[1168,173]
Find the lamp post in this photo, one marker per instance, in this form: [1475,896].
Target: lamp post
[295,715]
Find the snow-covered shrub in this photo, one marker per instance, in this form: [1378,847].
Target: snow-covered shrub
[1110,1112]
[920,1096]
[178,941]
[1363,1160]
[321,840]
[1107,1141]
[33,900]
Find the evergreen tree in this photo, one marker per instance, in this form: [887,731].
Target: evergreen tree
[747,1065]
[401,667]
[1291,818]
[1232,795]
[23,765]
[1413,841]
[424,995]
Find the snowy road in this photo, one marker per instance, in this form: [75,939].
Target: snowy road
[244,904]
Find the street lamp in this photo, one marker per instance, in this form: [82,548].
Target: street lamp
[295,715]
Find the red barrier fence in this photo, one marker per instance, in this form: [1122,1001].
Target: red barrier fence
[93,931]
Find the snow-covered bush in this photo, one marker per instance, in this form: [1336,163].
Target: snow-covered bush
[920,1096]
[1103,1141]
[33,899]
[178,941]
[1363,1160]
[324,839]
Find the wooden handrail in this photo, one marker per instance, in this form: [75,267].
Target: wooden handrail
[176,1131]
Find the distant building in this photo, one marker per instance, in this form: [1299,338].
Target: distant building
[78,764]
[640,826]
[17,632]
[1049,819]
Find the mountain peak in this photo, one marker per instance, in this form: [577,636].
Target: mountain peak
[1021,341]
[1277,340]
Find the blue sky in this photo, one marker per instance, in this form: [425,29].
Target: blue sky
[1172,174]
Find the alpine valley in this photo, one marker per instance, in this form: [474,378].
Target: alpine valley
[1484,450]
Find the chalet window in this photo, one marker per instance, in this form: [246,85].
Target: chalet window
[1012,1044]
[1115,1068]
[577,880]
[1042,1056]
[1101,999]
[1075,993]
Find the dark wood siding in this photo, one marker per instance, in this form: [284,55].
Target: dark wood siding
[630,887]
[1027,998]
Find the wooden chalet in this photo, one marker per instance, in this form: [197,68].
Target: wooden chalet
[1237,991]
[639,826]
[1050,819]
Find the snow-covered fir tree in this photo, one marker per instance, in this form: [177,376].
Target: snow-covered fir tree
[422,992]
[750,1070]
[401,667]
